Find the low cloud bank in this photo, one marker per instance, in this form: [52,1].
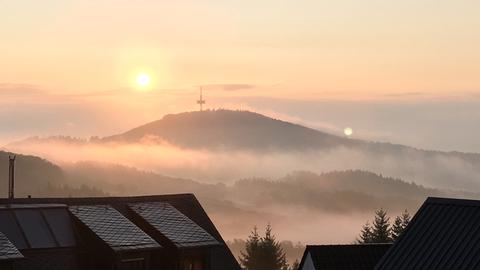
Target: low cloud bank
[432,169]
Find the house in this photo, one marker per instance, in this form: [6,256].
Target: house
[342,257]
[443,234]
[170,232]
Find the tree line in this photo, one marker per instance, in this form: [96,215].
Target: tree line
[380,230]
[264,253]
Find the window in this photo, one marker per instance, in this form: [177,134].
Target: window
[10,228]
[198,264]
[133,264]
[61,225]
[193,264]
[36,230]
[187,264]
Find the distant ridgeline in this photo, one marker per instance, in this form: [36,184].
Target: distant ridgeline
[38,177]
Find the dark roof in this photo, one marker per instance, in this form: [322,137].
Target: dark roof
[443,234]
[119,233]
[187,204]
[340,257]
[174,225]
[7,250]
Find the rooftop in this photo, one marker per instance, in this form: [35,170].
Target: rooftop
[340,257]
[444,234]
[7,250]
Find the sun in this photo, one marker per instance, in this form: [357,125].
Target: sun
[348,131]
[143,80]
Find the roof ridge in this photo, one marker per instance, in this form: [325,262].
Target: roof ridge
[360,244]
[454,201]
[52,200]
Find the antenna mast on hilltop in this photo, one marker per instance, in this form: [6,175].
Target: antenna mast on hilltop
[201,101]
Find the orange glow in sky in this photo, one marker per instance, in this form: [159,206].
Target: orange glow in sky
[344,48]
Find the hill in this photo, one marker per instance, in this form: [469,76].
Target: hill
[227,129]
[39,177]
[224,145]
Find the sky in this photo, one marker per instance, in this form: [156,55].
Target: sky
[400,71]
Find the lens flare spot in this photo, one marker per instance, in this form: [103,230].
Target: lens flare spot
[348,131]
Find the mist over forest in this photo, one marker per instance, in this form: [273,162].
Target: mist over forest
[247,170]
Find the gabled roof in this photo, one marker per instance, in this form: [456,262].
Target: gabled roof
[343,257]
[443,234]
[7,250]
[119,233]
[222,258]
[181,231]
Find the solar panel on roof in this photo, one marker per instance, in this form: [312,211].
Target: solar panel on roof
[61,225]
[113,228]
[174,225]
[35,229]
[9,227]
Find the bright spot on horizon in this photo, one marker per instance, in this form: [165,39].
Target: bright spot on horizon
[143,80]
[348,131]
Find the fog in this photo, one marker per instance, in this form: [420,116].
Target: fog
[432,169]
[304,207]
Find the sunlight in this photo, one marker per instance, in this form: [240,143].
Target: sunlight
[143,80]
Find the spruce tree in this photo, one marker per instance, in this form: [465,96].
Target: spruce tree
[397,228]
[273,254]
[366,235]
[250,258]
[381,230]
[400,224]
[263,253]
[405,219]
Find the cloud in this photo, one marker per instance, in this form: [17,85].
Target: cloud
[406,94]
[229,87]
[19,90]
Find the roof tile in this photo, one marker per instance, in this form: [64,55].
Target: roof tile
[174,225]
[113,228]
[7,250]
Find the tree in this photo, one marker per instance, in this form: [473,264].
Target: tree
[366,235]
[397,228]
[263,253]
[250,258]
[381,230]
[400,224]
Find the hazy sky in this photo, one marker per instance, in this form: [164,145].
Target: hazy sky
[406,71]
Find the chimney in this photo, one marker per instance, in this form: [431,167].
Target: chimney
[11,177]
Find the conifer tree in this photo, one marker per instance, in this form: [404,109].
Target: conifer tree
[405,219]
[400,224]
[263,253]
[366,235]
[250,258]
[397,228]
[381,230]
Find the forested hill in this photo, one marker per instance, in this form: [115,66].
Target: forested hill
[230,130]
[40,178]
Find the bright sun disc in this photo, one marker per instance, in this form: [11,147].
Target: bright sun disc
[348,131]
[143,80]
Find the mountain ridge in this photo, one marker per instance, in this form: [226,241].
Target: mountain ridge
[227,129]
